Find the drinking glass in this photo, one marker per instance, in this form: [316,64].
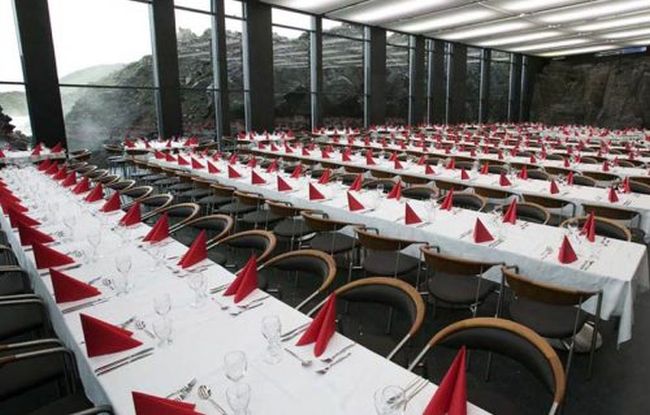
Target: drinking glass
[235,365]
[69,222]
[94,239]
[271,328]
[123,266]
[162,328]
[390,400]
[339,181]
[197,283]
[162,304]
[239,397]
[433,207]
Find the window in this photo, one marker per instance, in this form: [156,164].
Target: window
[472,84]
[397,78]
[235,66]
[15,126]
[499,86]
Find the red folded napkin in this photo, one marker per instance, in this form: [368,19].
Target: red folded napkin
[197,164]
[533,160]
[566,255]
[283,186]
[256,178]
[314,194]
[96,194]
[305,152]
[159,231]
[626,185]
[566,163]
[252,163]
[273,167]
[605,166]
[158,155]
[322,328]
[510,216]
[410,217]
[104,338]
[612,196]
[428,169]
[523,173]
[451,396]
[61,174]
[357,183]
[464,175]
[589,228]
[245,282]
[369,160]
[35,152]
[169,158]
[67,288]
[503,180]
[70,180]
[17,218]
[233,159]
[112,204]
[325,177]
[345,156]
[274,148]
[569,179]
[29,235]
[197,252]
[554,189]
[152,405]
[353,204]
[481,234]
[132,216]
[452,164]
[393,156]
[53,169]
[422,160]
[182,161]
[232,173]
[212,169]
[396,191]
[297,171]
[47,257]
[288,149]
[8,204]
[398,165]
[82,186]
[448,201]
[44,165]
[485,169]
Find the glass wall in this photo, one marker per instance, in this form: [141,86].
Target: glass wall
[235,66]
[499,87]
[343,83]
[397,78]
[472,84]
[15,127]
[291,69]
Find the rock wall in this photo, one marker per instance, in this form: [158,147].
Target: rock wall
[613,93]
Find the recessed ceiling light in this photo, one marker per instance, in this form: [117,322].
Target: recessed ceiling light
[579,50]
[595,10]
[614,23]
[550,45]
[520,38]
[448,20]
[381,12]
[626,33]
[487,30]
[527,5]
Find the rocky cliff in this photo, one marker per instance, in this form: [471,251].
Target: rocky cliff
[613,93]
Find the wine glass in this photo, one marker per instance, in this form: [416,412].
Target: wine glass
[162,304]
[235,365]
[390,400]
[123,266]
[162,328]
[197,283]
[239,397]
[94,239]
[271,328]
[433,206]
[69,222]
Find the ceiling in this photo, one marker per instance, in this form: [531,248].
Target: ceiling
[548,28]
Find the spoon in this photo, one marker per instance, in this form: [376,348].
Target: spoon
[141,325]
[205,393]
[303,362]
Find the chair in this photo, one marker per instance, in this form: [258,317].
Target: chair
[630,219]
[261,216]
[136,193]
[530,212]
[179,214]
[316,264]
[604,227]
[199,190]
[638,187]
[242,203]
[581,180]
[558,171]
[328,238]
[107,179]
[262,243]
[23,316]
[497,169]
[510,340]
[446,186]
[95,174]
[388,184]
[221,195]
[291,226]
[457,281]
[216,227]
[538,174]
[602,179]
[641,179]
[120,185]
[414,180]
[494,197]
[557,208]
[14,280]
[466,200]
[551,311]
[391,292]
[419,192]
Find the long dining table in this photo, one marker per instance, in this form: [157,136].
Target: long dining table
[618,268]
[201,336]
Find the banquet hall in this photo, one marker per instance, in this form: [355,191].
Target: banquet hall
[348,207]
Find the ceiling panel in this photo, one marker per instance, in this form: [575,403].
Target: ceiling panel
[535,27]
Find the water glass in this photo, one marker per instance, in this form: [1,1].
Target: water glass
[239,397]
[235,365]
[94,239]
[271,328]
[69,221]
[162,328]
[123,266]
[198,283]
[390,400]
[162,304]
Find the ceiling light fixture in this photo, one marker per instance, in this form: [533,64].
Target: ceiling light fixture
[377,13]
[614,23]
[550,45]
[626,33]
[578,51]
[520,38]
[486,30]
[528,5]
[448,20]
[595,10]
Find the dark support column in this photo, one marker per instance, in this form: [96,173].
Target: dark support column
[39,69]
[533,67]
[258,63]
[484,87]
[375,75]
[220,70]
[417,90]
[514,89]
[457,75]
[165,57]
[437,83]
[316,58]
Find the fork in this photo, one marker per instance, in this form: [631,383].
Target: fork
[241,310]
[337,354]
[327,368]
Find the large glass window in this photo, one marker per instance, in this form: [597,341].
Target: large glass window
[499,85]
[234,61]
[343,84]
[397,78]
[14,117]
[472,84]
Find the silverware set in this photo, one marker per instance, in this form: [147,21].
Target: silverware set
[219,288]
[587,264]
[329,366]
[182,392]
[327,361]
[546,252]
[496,242]
[84,305]
[205,393]
[294,332]
[464,234]
[413,388]
[124,361]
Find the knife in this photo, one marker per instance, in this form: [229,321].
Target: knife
[84,305]
[124,359]
[134,359]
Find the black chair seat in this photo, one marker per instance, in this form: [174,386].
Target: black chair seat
[260,216]
[214,200]
[151,177]
[181,187]
[167,181]
[547,320]
[459,289]
[18,319]
[236,208]
[332,242]
[196,193]
[66,405]
[116,159]
[291,228]
[217,257]
[389,263]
